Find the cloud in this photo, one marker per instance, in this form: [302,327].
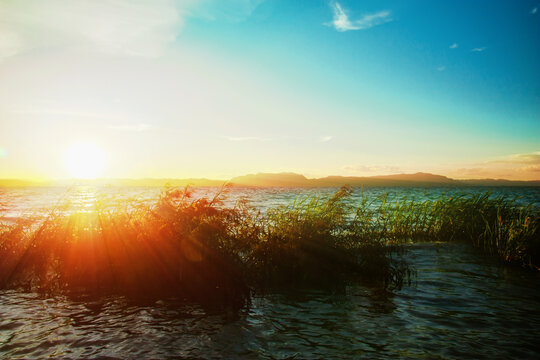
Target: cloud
[10,43]
[532,168]
[534,10]
[244,138]
[441,68]
[131,128]
[58,112]
[138,27]
[145,28]
[527,158]
[454,46]
[480,49]
[326,138]
[342,22]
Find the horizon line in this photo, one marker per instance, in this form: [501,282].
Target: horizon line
[225,181]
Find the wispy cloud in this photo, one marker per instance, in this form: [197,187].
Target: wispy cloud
[527,158]
[10,43]
[454,46]
[131,127]
[441,68]
[531,168]
[144,28]
[244,138]
[534,10]
[58,112]
[341,21]
[479,49]
[326,138]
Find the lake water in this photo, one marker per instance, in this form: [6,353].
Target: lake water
[460,305]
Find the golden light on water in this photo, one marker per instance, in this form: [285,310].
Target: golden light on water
[85,160]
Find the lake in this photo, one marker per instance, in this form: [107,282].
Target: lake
[460,304]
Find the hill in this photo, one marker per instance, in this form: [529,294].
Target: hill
[286,180]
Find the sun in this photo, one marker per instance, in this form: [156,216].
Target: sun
[84,160]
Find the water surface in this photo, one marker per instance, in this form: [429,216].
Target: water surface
[460,305]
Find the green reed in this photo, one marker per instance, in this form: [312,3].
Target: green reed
[497,225]
[313,241]
[203,250]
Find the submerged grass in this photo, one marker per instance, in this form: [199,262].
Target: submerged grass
[202,250]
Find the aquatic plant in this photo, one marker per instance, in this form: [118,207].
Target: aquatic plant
[195,248]
[203,250]
[497,225]
[172,247]
[313,241]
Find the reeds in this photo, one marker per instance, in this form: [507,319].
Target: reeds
[202,250]
[497,225]
[312,241]
[172,247]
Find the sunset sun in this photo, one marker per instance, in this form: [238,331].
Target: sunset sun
[84,160]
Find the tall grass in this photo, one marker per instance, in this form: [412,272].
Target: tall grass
[313,241]
[497,225]
[174,247]
[203,250]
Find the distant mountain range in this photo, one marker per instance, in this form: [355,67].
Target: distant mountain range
[417,179]
[290,180]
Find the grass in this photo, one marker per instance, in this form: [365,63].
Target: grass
[202,250]
[172,247]
[497,225]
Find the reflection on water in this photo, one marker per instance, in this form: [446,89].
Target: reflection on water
[461,305]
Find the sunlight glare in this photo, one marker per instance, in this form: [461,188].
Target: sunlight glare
[85,160]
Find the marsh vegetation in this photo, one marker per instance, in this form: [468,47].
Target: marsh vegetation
[200,249]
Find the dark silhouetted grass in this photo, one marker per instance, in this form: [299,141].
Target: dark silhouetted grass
[173,247]
[202,250]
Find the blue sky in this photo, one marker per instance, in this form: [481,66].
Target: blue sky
[222,88]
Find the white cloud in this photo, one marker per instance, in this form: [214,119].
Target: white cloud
[441,68]
[454,46]
[144,28]
[58,112]
[342,22]
[244,138]
[132,127]
[10,43]
[480,49]
[137,27]
[326,138]
[527,158]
